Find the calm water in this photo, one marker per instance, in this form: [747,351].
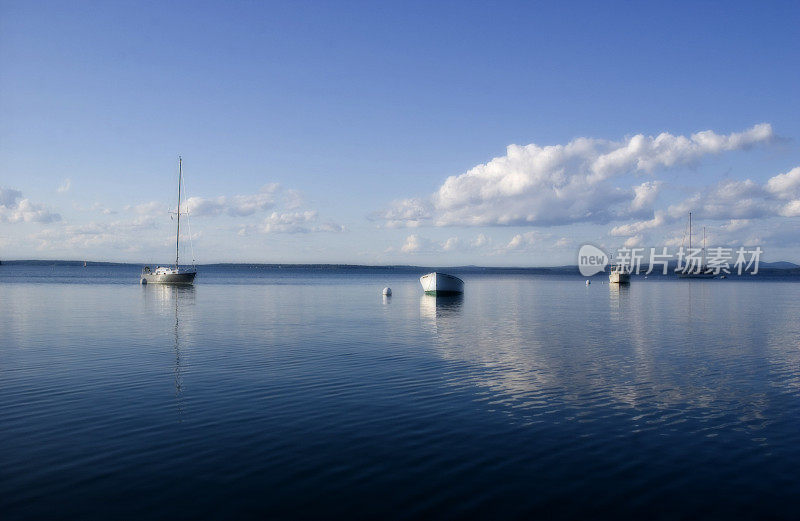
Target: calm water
[296,394]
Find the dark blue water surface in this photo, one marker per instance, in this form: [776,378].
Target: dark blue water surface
[281,393]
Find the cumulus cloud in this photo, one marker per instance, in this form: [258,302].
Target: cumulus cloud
[745,199]
[123,235]
[563,184]
[286,216]
[16,209]
[416,244]
[406,213]
[633,241]
[527,240]
[785,186]
[65,186]
[665,150]
[292,222]
[451,244]
[236,205]
[288,222]
[480,241]
[645,196]
[413,244]
[629,230]
[151,208]
[735,206]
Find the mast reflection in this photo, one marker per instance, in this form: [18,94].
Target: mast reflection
[175,302]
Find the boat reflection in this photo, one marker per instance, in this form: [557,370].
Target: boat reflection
[618,298]
[434,307]
[441,313]
[175,302]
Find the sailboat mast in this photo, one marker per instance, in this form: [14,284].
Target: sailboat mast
[704,245]
[178,233]
[690,232]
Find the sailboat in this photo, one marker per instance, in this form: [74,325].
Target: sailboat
[620,273]
[696,272]
[169,274]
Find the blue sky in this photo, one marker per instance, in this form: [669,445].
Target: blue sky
[327,131]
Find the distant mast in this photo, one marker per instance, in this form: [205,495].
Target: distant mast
[704,246]
[178,234]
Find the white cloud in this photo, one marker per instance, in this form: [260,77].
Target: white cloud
[65,186]
[406,212]
[785,186]
[236,205]
[646,154]
[413,244]
[329,227]
[563,184]
[737,202]
[645,196]
[791,209]
[292,222]
[480,241]
[733,199]
[629,230]
[416,244]
[151,208]
[288,222]
[451,244]
[524,241]
[119,235]
[288,219]
[16,209]
[633,241]
[735,225]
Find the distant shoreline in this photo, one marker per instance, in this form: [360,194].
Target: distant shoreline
[779,266]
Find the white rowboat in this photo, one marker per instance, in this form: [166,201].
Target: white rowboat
[441,284]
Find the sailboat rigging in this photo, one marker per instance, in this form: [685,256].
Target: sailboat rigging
[691,270]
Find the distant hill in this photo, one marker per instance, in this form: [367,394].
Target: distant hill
[780,265]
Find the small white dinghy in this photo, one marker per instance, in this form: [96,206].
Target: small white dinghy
[441,284]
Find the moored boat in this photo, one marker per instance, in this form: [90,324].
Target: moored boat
[162,275]
[619,274]
[441,284]
[173,274]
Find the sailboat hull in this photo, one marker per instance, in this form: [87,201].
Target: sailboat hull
[169,278]
[617,277]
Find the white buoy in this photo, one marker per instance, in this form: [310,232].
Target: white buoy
[588,282]
[387,291]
